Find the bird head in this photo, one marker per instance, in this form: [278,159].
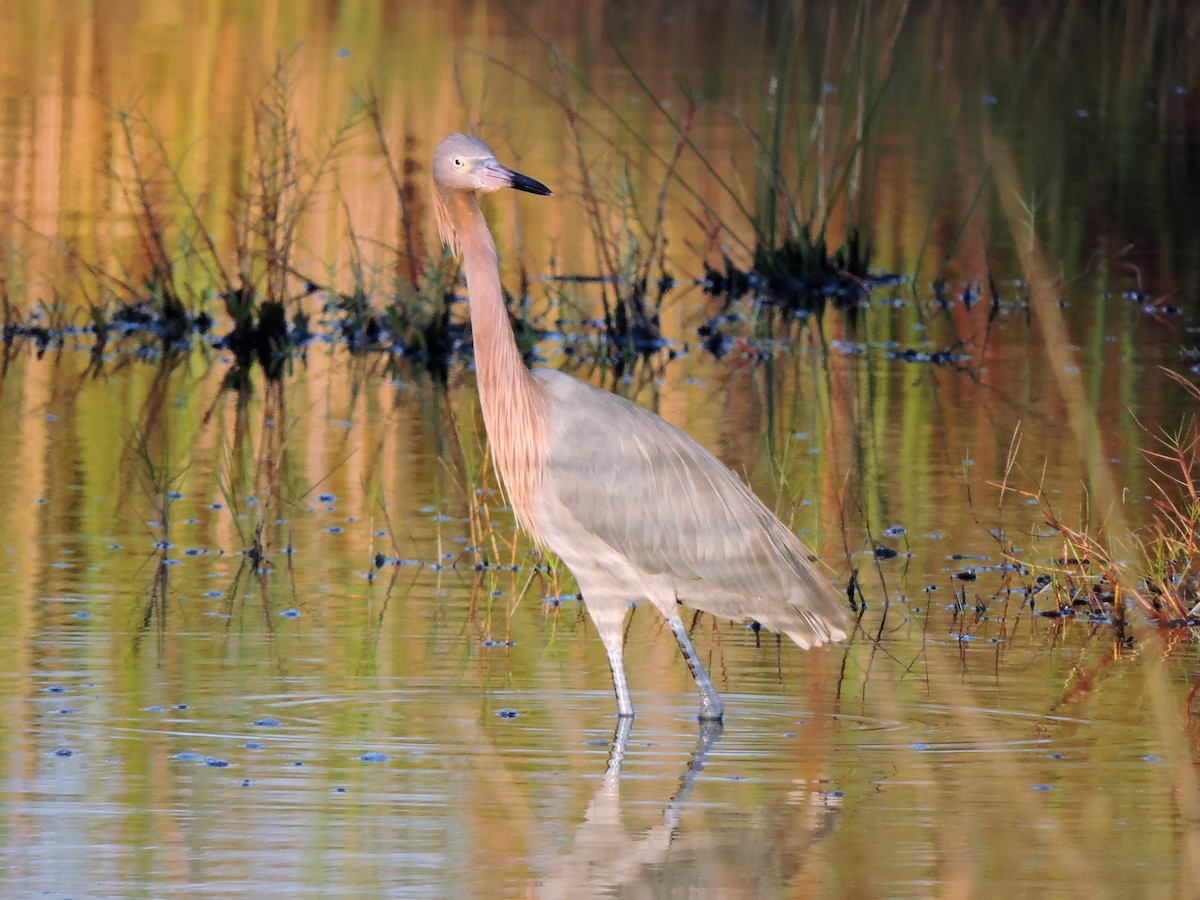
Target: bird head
[467,165]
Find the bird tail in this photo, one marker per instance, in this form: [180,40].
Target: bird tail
[808,629]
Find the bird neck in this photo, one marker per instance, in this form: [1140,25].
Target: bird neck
[513,403]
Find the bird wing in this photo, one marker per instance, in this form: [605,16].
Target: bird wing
[673,509]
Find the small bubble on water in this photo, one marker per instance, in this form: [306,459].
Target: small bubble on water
[334,529]
[291,613]
[188,756]
[1055,756]
[327,498]
[1043,787]
[919,745]
[1150,757]
[374,757]
[507,713]
[245,782]
[64,751]
[214,762]
[253,745]
[267,722]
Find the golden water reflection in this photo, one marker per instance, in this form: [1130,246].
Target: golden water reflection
[184,717]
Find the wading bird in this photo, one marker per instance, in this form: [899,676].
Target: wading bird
[632,505]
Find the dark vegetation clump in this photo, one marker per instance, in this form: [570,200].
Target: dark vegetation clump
[800,273]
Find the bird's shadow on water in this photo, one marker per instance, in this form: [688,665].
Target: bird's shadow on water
[607,857]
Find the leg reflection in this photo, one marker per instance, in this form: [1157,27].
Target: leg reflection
[605,855]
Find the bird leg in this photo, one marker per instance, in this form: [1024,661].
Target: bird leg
[711,705]
[613,641]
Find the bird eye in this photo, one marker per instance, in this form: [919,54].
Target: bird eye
[458,163]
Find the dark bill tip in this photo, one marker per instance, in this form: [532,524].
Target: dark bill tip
[528,185]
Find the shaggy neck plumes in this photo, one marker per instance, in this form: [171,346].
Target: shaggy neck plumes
[512,402]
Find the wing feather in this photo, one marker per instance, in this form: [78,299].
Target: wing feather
[673,509]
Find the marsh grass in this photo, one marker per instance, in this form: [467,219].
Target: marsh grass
[160,475]
[630,244]
[815,161]
[1084,575]
[402,307]
[815,155]
[181,278]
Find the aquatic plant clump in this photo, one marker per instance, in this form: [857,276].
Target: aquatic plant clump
[1089,578]
[801,273]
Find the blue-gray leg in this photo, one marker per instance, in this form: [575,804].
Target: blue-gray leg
[711,705]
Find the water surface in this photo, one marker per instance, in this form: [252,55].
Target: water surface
[369,710]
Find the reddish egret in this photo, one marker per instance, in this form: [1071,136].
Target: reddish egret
[632,505]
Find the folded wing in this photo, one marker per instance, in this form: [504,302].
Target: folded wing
[651,492]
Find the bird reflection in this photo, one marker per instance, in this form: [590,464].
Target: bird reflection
[773,846]
[605,855]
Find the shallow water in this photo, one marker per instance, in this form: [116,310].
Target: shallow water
[367,713]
